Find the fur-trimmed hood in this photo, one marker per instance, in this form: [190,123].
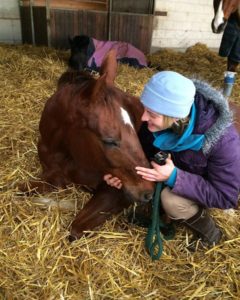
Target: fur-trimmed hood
[225,115]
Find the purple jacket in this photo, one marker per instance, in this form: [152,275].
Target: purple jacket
[211,176]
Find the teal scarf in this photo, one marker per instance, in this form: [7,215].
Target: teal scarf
[169,141]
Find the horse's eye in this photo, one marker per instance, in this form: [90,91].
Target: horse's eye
[111,142]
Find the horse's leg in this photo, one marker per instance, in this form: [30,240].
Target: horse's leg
[105,202]
[51,179]
[232,65]
[35,187]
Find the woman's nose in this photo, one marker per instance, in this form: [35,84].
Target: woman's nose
[144,116]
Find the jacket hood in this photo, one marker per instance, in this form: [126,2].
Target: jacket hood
[225,115]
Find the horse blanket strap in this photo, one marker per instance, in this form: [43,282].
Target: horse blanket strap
[154,240]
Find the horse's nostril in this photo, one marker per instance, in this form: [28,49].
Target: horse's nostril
[72,238]
[147,197]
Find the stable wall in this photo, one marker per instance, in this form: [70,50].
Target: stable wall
[183,23]
[187,22]
[10,28]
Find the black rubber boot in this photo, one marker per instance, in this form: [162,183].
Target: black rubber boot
[205,228]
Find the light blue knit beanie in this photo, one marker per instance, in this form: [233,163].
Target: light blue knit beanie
[169,93]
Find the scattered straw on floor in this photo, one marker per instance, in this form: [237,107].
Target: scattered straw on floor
[36,259]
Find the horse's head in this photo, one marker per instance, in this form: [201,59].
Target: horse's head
[222,11]
[108,120]
[79,52]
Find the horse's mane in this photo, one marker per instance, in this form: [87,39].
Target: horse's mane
[75,81]
[74,77]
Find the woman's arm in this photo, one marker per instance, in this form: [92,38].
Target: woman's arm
[221,187]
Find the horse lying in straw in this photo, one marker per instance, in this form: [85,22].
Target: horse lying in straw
[87,52]
[88,128]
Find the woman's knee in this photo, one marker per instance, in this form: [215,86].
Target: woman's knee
[177,207]
[168,202]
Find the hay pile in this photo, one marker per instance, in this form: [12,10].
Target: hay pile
[37,261]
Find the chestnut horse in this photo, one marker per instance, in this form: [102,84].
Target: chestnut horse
[88,128]
[225,10]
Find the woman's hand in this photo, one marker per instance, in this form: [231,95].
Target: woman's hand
[113,181]
[158,173]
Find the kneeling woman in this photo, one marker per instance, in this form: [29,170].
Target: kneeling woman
[192,122]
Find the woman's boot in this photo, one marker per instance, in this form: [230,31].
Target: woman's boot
[205,227]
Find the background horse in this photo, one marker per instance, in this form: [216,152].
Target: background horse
[88,128]
[88,52]
[228,11]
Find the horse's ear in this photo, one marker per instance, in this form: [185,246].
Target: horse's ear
[107,72]
[99,87]
[109,66]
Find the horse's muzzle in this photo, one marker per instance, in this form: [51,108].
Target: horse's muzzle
[146,197]
[142,197]
[220,28]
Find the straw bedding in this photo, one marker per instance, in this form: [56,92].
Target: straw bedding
[37,261]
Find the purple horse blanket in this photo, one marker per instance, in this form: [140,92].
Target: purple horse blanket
[88,53]
[125,52]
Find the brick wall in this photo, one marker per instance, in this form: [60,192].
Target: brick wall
[187,23]
[10,27]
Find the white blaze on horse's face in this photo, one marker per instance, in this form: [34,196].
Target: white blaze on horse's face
[126,118]
[219,17]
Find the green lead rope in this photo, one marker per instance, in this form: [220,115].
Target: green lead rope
[154,240]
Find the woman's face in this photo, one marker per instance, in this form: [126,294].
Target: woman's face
[155,121]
